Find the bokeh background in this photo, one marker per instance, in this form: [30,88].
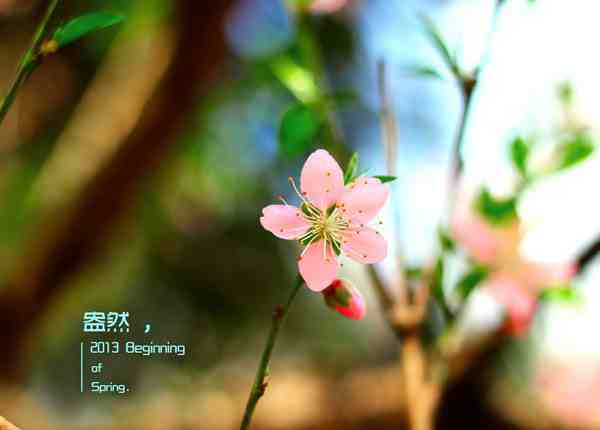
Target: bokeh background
[135,163]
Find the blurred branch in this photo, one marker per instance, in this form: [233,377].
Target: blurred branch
[261,380]
[5,425]
[468,85]
[389,127]
[29,61]
[588,255]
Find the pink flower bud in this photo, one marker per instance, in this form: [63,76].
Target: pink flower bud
[345,299]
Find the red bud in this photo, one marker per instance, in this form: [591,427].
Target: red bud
[345,299]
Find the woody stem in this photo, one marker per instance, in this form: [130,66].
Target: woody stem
[260,380]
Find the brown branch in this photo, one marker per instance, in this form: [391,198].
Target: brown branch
[5,425]
[588,255]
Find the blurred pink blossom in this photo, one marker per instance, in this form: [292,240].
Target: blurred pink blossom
[332,219]
[345,299]
[571,393]
[514,281]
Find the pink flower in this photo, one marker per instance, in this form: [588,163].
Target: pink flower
[345,299]
[331,220]
[515,282]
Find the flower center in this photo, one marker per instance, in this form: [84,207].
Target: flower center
[327,226]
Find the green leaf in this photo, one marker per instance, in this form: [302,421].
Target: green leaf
[561,294]
[471,280]
[351,169]
[575,151]
[438,42]
[494,210]
[84,25]
[424,72]
[384,178]
[298,129]
[446,242]
[519,154]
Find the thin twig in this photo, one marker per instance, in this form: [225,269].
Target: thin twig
[28,62]
[261,381]
[389,127]
[587,255]
[469,84]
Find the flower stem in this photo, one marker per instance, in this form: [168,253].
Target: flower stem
[28,62]
[260,381]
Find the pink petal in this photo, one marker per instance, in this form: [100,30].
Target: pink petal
[363,199]
[520,305]
[317,266]
[364,245]
[539,275]
[284,221]
[322,180]
[486,243]
[476,237]
[354,309]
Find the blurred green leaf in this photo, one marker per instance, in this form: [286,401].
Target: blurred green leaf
[561,294]
[519,154]
[384,178]
[439,43]
[565,92]
[575,151]
[299,127]
[471,280]
[494,210]
[446,242]
[424,72]
[297,79]
[351,169]
[84,25]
